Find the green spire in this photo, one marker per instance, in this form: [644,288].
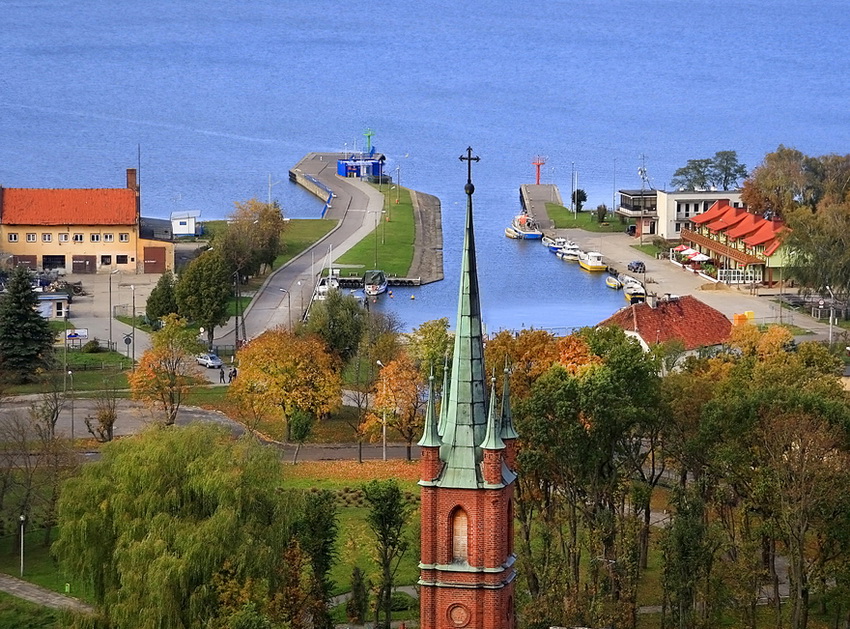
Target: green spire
[445,396]
[465,419]
[430,438]
[508,431]
[492,440]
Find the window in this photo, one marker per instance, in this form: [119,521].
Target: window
[678,227]
[31,238]
[106,260]
[13,238]
[95,237]
[60,310]
[63,237]
[78,238]
[108,237]
[124,237]
[46,237]
[120,259]
[460,544]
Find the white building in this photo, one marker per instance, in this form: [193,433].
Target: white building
[185,223]
[665,214]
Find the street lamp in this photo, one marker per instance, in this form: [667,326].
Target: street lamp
[23,520]
[288,305]
[383,418]
[110,309]
[133,323]
[71,376]
[831,305]
[301,292]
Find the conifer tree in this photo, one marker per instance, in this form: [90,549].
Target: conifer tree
[26,340]
[162,300]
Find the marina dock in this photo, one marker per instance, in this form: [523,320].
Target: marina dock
[533,199]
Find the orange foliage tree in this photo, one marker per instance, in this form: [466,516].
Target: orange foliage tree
[400,397]
[280,369]
[574,354]
[167,371]
[529,355]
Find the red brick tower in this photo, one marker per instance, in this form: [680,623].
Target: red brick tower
[467,555]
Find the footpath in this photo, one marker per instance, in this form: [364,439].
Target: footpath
[42,596]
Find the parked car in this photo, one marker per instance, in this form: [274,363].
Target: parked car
[210,361]
[636,266]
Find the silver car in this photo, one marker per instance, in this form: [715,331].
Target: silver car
[210,361]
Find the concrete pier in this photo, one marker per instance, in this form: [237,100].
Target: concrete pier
[533,199]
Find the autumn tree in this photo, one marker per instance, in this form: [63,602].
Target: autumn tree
[819,256]
[528,354]
[252,237]
[203,292]
[166,522]
[290,372]
[784,180]
[26,340]
[400,398]
[167,371]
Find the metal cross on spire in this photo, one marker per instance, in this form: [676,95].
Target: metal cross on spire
[469,158]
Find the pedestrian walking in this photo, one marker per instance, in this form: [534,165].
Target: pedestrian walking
[221,374]
[230,376]
[234,374]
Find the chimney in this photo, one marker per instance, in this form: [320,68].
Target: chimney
[132,181]
[652,300]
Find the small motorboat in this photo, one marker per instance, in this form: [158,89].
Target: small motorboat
[325,286]
[613,282]
[591,261]
[555,244]
[374,283]
[634,292]
[510,232]
[525,228]
[569,253]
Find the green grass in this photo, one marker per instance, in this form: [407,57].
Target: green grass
[90,380]
[650,250]
[301,234]
[19,614]
[389,246]
[565,219]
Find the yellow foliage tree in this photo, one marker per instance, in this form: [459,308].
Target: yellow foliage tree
[400,397]
[574,354]
[167,371]
[280,369]
[529,355]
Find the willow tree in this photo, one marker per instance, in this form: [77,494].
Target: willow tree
[167,524]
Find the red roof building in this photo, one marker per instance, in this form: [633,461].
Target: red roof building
[685,318]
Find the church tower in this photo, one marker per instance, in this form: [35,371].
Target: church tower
[467,479]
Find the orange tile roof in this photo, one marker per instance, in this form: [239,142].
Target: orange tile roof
[717,209]
[746,226]
[766,232]
[38,206]
[688,319]
[730,218]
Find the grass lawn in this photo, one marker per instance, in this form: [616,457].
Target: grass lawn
[84,380]
[565,219]
[650,250]
[19,614]
[389,246]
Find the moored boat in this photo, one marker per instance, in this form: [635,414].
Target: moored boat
[591,261]
[525,228]
[613,282]
[555,244]
[324,286]
[569,253]
[510,232]
[374,283]
[634,292]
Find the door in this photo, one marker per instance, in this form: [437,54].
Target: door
[52,262]
[154,260]
[27,261]
[83,264]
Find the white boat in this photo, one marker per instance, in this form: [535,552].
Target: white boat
[525,228]
[374,283]
[634,292]
[569,253]
[591,261]
[510,232]
[555,244]
[324,286]
[613,282]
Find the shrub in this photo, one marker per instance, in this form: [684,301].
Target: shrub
[402,602]
[92,347]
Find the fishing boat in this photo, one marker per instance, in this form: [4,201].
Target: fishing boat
[613,282]
[324,286]
[634,292]
[591,261]
[555,244]
[524,227]
[374,283]
[569,253]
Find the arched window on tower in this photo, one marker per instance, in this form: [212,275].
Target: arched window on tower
[460,535]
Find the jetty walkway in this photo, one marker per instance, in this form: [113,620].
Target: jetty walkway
[533,199]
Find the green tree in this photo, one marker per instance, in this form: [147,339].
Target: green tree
[155,523]
[725,171]
[387,519]
[317,534]
[26,341]
[579,198]
[428,346]
[357,605]
[601,212]
[300,427]
[203,291]
[162,300]
[695,175]
[816,243]
[340,321]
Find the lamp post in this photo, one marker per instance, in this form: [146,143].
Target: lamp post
[397,181]
[71,376]
[133,323]
[383,419]
[110,309]
[831,304]
[288,306]
[23,521]
[301,292]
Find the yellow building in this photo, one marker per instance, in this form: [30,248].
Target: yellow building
[80,230]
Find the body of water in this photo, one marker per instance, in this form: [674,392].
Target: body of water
[216,96]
